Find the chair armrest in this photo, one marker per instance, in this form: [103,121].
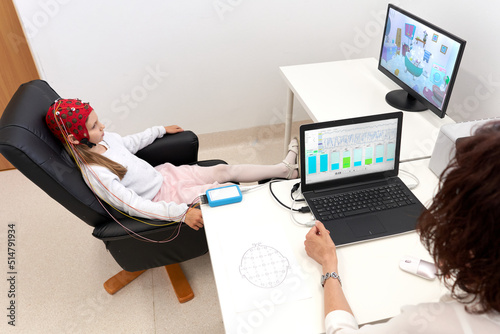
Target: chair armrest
[178,149]
[113,231]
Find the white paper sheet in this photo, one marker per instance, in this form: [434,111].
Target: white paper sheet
[262,269]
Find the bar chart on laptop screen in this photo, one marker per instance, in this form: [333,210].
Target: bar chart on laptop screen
[349,150]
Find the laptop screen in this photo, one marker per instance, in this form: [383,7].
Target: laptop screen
[343,149]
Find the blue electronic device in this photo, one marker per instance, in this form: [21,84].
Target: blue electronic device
[224,195]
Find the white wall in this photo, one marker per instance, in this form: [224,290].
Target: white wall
[212,65]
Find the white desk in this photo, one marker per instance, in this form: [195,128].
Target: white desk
[352,88]
[374,285]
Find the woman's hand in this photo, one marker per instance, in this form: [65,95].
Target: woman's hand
[194,219]
[320,247]
[171,129]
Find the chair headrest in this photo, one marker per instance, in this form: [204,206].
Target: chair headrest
[26,141]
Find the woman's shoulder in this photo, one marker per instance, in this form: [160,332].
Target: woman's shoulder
[449,313]
[446,315]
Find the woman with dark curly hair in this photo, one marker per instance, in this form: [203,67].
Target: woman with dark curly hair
[461,232]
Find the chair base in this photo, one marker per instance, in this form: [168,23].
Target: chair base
[179,282]
[120,280]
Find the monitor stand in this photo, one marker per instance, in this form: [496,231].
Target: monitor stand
[401,100]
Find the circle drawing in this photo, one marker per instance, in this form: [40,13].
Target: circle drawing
[264,266]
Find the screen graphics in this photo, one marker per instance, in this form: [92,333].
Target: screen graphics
[420,55]
[350,150]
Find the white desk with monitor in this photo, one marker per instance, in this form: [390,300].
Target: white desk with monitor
[352,88]
[373,283]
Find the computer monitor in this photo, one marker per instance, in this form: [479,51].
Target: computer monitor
[421,58]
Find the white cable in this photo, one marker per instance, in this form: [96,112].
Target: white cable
[417,181]
[251,188]
[308,224]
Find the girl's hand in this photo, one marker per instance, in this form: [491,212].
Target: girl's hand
[171,129]
[194,219]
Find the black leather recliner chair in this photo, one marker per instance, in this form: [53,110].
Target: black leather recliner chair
[28,144]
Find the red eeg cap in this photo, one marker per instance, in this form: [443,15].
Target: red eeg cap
[72,113]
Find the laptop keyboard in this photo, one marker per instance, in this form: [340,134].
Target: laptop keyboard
[386,197]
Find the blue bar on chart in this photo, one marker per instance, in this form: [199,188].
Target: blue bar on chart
[379,153]
[335,156]
[311,163]
[391,151]
[369,155]
[323,163]
[357,156]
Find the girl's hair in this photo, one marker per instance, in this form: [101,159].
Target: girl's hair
[461,229]
[92,158]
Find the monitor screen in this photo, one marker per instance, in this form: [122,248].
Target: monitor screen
[350,150]
[421,58]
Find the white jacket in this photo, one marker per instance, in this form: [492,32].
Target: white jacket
[445,316]
[133,194]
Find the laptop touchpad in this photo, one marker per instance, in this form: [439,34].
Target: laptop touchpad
[366,226]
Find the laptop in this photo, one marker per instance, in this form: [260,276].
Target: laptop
[349,178]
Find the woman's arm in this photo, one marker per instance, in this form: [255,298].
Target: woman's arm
[422,318]
[320,247]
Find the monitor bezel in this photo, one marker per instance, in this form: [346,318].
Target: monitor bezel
[439,112]
[305,186]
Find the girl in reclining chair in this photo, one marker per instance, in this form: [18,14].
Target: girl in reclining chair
[123,180]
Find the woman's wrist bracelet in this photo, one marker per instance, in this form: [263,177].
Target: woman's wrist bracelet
[326,276]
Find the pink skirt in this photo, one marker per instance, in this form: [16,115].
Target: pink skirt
[183,184]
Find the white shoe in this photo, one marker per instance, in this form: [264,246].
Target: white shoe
[294,147]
